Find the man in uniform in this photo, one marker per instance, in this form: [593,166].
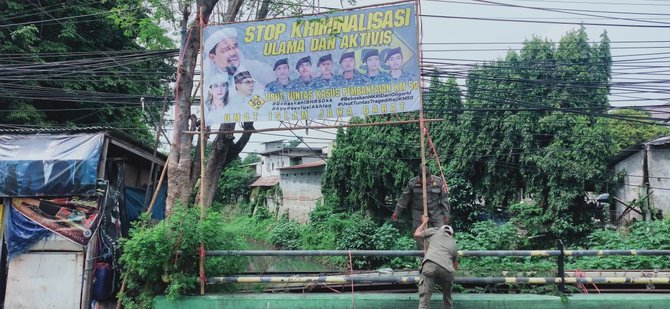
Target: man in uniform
[439,264]
[304,80]
[394,61]
[412,197]
[350,75]
[371,60]
[326,79]
[281,72]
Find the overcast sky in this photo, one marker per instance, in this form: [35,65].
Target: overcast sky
[454,34]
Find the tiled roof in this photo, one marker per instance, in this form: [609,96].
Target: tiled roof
[304,165]
[267,181]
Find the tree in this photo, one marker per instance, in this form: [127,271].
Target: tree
[370,166]
[89,64]
[533,125]
[539,134]
[640,130]
[235,180]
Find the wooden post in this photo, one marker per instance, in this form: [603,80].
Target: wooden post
[424,182]
[203,142]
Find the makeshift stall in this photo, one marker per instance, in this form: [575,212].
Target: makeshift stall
[64,206]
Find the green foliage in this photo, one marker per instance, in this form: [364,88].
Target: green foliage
[251,158]
[371,165]
[630,133]
[234,181]
[46,31]
[330,231]
[641,235]
[152,265]
[487,235]
[286,234]
[357,234]
[388,237]
[551,155]
[252,227]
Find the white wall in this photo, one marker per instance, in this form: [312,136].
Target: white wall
[632,168]
[659,178]
[301,188]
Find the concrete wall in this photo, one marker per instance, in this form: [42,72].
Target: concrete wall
[301,188]
[411,300]
[659,178]
[632,168]
[270,164]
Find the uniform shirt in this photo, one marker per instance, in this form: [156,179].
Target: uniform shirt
[412,196]
[358,80]
[442,248]
[404,77]
[275,86]
[380,78]
[299,85]
[321,83]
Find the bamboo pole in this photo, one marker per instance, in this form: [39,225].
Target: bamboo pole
[464,253]
[415,279]
[424,190]
[203,142]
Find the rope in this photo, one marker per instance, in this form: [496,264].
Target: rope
[580,274]
[445,187]
[334,290]
[351,272]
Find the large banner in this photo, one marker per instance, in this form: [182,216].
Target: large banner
[340,64]
[49,165]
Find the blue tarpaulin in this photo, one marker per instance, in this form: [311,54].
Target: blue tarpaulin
[21,233]
[135,203]
[49,165]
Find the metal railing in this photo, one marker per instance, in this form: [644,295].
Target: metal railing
[560,279]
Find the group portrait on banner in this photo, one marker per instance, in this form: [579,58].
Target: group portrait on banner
[339,64]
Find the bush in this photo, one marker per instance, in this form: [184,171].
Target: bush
[487,235]
[286,234]
[641,235]
[387,237]
[152,266]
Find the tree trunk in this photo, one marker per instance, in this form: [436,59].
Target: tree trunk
[223,152]
[182,172]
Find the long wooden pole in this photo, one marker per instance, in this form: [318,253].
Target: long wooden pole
[422,138]
[203,142]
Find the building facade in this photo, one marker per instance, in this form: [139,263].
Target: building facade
[646,187]
[297,171]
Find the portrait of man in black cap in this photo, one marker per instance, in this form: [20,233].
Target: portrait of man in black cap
[350,75]
[394,60]
[371,60]
[326,79]
[304,80]
[281,72]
